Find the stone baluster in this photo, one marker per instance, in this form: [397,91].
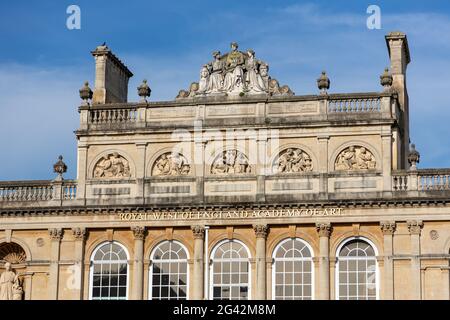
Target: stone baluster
[199,234]
[261,235]
[324,231]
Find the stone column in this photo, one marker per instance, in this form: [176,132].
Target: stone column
[388,229]
[56,235]
[261,234]
[80,235]
[198,279]
[414,228]
[138,263]
[324,231]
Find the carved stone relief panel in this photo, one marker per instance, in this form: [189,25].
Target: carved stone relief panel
[231,162]
[112,165]
[292,160]
[355,158]
[171,164]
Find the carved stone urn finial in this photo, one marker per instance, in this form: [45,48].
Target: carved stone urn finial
[60,167]
[413,157]
[144,91]
[386,79]
[86,93]
[323,83]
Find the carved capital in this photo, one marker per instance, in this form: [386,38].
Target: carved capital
[261,230]
[56,234]
[79,233]
[198,231]
[415,226]
[138,232]
[324,229]
[388,227]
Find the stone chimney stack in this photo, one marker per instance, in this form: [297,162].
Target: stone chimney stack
[111,77]
[397,44]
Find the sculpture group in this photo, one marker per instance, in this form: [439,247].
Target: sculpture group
[171,164]
[10,288]
[294,160]
[112,166]
[231,162]
[355,158]
[235,72]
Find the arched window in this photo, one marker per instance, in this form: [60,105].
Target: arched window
[230,272]
[357,275]
[169,271]
[109,272]
[293,271]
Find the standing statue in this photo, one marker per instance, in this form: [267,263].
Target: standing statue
[10,288]
[234,78]
[253,79]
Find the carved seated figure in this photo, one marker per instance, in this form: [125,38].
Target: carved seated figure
[355,158]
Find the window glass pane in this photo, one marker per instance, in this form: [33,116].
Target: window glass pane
[108,262]
[357,266]
[230,271]
[293,270]
[169,272]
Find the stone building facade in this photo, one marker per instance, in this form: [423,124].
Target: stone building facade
[235,189]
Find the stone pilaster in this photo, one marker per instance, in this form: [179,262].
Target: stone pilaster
[199,235]
[138,263]
[80,236]
[323,163]
[324,231]
[56,234]
[261,235]
[388,229]
[386,145]
[415,228]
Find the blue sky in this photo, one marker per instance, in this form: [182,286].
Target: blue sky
[43,64]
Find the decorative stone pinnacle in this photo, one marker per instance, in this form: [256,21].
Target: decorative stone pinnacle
[138,232]
[198,231]
[60,167]
[56,234]
[144,91]
[413,157]
[323,83]
[386,79]
[79,233]
[86,93]
[414,226]
[260,230]
[324,229]
[388,227]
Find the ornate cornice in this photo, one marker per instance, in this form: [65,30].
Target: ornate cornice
[138,232]
[56,234]
[415,226]
[261,230]
[79,233]
[198,231]
[324,229]
[388,227]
